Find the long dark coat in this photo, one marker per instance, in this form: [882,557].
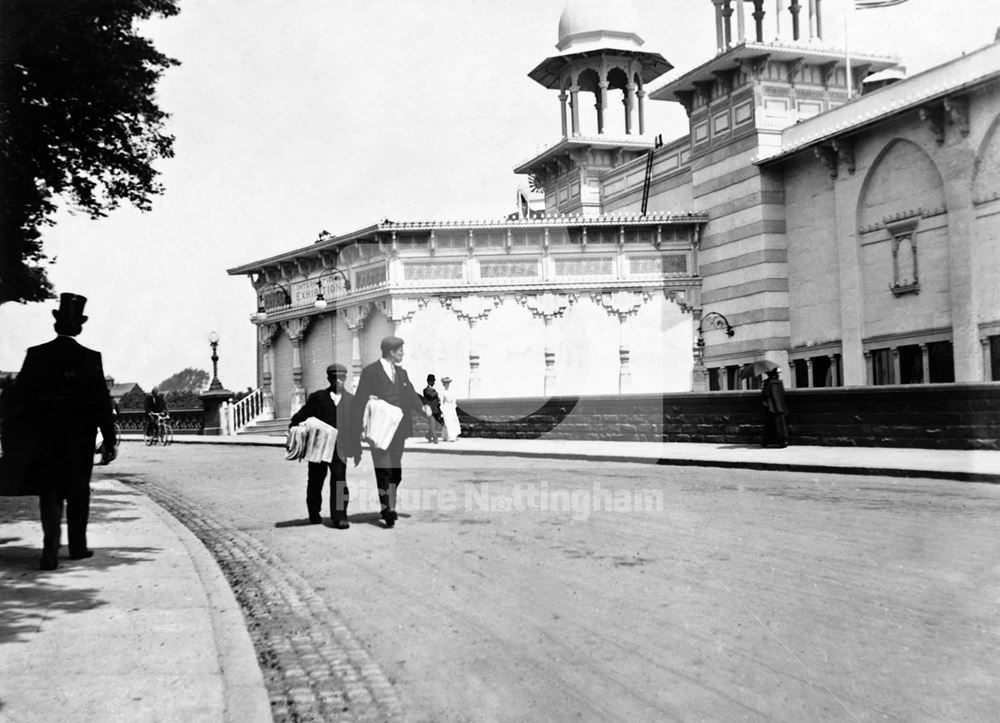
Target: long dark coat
[53,410]
[374,382]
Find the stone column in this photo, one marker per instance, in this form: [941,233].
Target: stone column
[296,329]
[896,376]
[562,112]
[810,382]
[720,38]
[629,106]
[834,370]
[265,337]
[812,20]
[741,23]
[640,95]
[956,164]
[819,20]
[984,341]
[602,103]
[547,306]
[870,377]
[758,17]
[925,364]
[574,107]
[795,9]
[354,317]
[621,305]
[727,21]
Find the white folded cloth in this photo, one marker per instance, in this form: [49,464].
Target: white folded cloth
[380,422]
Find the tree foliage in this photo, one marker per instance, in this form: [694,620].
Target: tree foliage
[134,398]
[78,121]
[186,380]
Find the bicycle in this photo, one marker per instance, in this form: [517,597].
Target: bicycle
[162,432]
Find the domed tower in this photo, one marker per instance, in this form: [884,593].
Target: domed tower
[601,56]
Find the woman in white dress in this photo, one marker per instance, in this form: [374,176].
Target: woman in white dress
[449,410]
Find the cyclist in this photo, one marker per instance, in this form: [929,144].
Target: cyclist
[156,405]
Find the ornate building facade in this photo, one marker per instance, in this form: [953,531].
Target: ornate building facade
[848,233]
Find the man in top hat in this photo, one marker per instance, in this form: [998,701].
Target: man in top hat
[333,406]
[59,399]
[385,379]
[432,402]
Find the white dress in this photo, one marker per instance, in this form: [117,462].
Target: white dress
[449,410]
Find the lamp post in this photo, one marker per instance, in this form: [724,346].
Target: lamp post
[321,302]
[213,340]
[215,419]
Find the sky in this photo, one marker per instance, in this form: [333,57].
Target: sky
[296,116]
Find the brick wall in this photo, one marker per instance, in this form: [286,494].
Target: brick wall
[959,416]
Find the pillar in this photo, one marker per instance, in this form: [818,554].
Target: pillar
[629,105]
[266,382]
[810,382]
[602,103]
[741,23]
[298,392]
[925,364]
[896,376]
[550,359]
[562,111]
[758,18]
[812,20]
[777,20]
[795,9]
[870,377]
[727,21]
[475,381]
[356,351]
[574,106]
[640,95]
[835,369]
[819,20]
[719,35]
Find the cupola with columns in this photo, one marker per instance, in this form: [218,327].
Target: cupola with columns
[772,68]
[600,57]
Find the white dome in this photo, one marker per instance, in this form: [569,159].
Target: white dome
[604,23]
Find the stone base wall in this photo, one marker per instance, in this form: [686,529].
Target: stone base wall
[955,416]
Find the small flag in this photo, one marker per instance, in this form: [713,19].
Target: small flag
[871,4]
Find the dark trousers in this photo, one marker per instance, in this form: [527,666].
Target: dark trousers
[50,508]
[389,472]
[338,488]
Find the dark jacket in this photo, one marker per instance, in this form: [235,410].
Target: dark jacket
[156,403]
[321,406]
[374,382]
[55,407]
[432,399]
[773,395]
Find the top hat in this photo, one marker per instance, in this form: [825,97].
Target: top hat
[431,378]
[70,311]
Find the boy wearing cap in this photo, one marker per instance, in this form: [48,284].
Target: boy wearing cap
[333,406]
[58,400]
[384,379]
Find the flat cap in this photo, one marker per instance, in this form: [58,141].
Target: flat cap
[336,369]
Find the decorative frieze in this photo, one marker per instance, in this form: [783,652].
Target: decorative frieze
[366,278]
[508,269]
[471,308]
[584,267]
[437,271]
[621,304]
[296,328]
[546,306]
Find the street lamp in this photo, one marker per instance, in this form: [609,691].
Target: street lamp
[717,320]
[320,302]
[213,340]
[261,316]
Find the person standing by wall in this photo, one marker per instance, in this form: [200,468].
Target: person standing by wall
[432,409]
[775,409]
[332,406]
[384,379]
[57,402]
[449,411]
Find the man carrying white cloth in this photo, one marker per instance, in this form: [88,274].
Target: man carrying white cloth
[387,381]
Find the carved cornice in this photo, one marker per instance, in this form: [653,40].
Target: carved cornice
[354,316]
[296,328]
[398,309]
[265,334]
[621,304]
[546,306]
[471,308]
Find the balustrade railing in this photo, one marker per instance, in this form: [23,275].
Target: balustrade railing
[246,411]
[184,421]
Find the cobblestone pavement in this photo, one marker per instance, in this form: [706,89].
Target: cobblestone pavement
[314,667]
